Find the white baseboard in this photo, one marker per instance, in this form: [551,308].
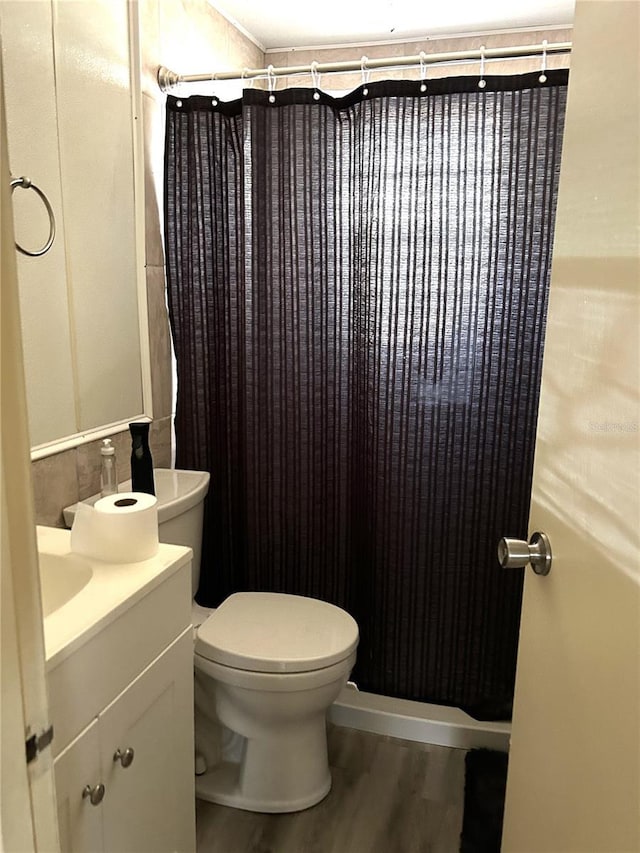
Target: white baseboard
[418,721]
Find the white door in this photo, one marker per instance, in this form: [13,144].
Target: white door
[27,800]
[574,768]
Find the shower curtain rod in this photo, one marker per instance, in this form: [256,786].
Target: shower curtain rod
[167,79]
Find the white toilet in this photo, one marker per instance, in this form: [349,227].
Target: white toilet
[274,664]
[267,668]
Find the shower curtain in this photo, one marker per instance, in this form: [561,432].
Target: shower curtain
[357,291]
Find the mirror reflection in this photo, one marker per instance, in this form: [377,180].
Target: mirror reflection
[71,115]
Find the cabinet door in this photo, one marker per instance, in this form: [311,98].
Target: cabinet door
[80,822]
[150,805]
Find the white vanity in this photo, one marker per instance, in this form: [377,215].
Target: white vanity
[119,658]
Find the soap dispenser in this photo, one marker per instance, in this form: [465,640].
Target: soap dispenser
[141,461]
[108,473]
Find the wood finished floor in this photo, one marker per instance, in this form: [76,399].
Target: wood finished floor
[388,796]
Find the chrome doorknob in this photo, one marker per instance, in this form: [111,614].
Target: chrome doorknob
[125,758]
[516,553]
[95,793]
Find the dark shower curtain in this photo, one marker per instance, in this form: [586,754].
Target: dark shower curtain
[357,290]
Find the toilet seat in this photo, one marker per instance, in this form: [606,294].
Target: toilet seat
[275,682]
[267,632]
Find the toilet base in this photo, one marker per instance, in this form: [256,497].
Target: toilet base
[221,784]
[277,722]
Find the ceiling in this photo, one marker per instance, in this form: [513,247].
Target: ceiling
[296,23]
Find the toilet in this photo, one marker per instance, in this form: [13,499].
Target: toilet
[267,668]
[274,663]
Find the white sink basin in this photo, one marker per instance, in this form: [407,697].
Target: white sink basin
[62,576]
[81,596]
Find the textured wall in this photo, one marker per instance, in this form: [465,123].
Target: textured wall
[436,45]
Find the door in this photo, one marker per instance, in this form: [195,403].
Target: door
[27,799]
[575,751]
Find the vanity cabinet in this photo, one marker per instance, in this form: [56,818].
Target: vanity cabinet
[149,804]
[121,705]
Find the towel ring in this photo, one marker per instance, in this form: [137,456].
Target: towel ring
[26,184]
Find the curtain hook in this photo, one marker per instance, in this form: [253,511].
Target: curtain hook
[543,77]
[214,99]
[423,71]
[315,79]
[482,82]
[271,82]
[366,73]
[243,77]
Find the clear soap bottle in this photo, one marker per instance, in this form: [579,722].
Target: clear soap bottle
[108,478]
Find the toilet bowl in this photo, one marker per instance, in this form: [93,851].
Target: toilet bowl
[267,668]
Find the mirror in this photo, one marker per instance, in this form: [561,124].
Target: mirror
[73,130]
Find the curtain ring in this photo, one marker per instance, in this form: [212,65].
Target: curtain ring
[482,82]
[366,74]
[315,79]
[543,77]
[423,71]
[271,82]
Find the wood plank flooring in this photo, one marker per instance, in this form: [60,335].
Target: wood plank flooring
[388,796]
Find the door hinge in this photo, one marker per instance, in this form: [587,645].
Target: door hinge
[36,743]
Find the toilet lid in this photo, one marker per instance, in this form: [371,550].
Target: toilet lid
[274,632]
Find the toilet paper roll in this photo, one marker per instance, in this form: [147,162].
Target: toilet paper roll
[120,528]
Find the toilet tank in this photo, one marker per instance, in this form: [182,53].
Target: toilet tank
[180,497]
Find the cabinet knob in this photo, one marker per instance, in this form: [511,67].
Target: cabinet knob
[95,793]
[125,758]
